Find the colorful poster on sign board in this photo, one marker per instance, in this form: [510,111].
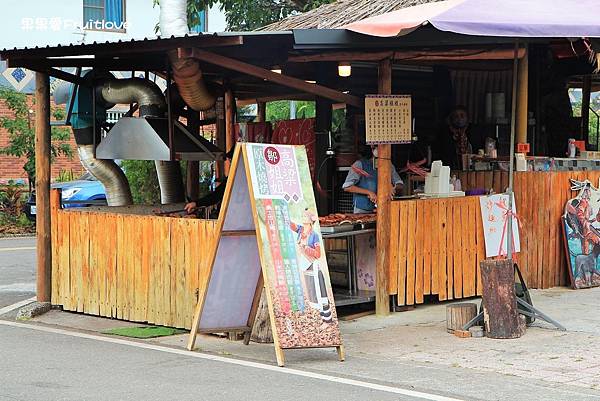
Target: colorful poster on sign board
[495,215]
[297,275]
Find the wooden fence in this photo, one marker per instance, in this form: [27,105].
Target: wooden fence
[136,268]
[436,245]
[435,249]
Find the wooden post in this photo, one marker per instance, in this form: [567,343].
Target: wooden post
[193,167]
[522,99]
[42,186]
[500,313]
[384,183]
[261,115]
[229,125]
[585,107]
[220,137]
[261,330]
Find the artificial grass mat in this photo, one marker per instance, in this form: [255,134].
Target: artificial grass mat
[143,332]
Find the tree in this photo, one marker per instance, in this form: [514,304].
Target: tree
[248,15]
[21,132]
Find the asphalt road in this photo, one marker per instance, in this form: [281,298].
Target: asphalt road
[50,366]
[17,270]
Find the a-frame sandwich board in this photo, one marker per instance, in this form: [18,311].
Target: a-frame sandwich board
[269,235]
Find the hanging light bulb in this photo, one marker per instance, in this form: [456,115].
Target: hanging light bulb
[344,69]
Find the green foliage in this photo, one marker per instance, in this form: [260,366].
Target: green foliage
[280,110]
[143,181]
[12,196]
[23,221]
[248,15]
[594,121]
[21,132]
[65,176]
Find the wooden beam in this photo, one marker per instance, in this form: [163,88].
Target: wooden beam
[341,56]
[65,76]
[42,186]
[422,55]
[384,179]
[268,75]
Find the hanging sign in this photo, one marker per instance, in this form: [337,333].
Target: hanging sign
[388,119]
[269,219]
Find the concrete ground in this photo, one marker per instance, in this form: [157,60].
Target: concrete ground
[412,350]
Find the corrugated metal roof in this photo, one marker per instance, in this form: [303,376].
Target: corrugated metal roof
[154,39]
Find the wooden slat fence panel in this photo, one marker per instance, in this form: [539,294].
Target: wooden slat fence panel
[138,268]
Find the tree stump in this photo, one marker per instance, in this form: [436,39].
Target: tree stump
[457,315]
[500,313]
[261,330]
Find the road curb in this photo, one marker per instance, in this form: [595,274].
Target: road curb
[33,309]
[17,236]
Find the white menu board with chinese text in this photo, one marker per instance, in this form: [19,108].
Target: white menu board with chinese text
[388,119]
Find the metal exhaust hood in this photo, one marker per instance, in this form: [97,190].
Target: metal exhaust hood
[147,138]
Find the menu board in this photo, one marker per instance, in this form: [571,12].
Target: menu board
[388,119]
[269,233]
[293,255]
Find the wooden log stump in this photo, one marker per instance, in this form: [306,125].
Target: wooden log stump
[261,330]
[500,313]
[457,315]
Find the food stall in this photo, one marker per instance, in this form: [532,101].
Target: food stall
[127,262]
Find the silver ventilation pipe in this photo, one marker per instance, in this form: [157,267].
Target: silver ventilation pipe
[145,93]
[151,102]
[170,181]
[109,174]
[186,72]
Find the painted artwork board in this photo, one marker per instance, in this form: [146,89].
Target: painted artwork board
[494,217]
[581,230]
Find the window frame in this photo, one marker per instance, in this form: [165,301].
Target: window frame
[103,8]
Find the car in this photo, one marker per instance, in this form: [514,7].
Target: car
[86,188]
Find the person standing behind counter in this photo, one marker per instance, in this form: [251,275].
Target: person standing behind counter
[362,181]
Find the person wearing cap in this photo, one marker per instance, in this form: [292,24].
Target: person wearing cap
[313,280]
[361,181]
